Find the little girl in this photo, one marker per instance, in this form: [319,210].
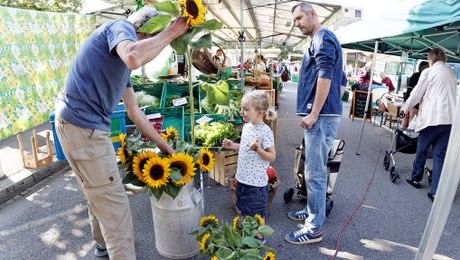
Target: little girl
[255,152]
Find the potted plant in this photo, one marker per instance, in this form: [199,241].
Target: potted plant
[235,241]
[176,204]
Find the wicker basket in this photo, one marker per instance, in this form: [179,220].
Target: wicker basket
[202,60]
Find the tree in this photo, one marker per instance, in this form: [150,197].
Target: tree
[60,6]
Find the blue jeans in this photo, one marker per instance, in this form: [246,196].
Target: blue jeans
[251,200]
[438,136]
[318,142]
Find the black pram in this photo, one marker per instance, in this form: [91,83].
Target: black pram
[333,166]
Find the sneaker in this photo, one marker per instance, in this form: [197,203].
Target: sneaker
[415,184]
[99,251]
[305,235]
[298,215]
[431,196]
[261,238]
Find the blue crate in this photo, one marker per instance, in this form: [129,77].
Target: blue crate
[117,126]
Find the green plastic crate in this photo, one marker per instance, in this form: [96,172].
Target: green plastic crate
[155,89]
[174,117]
[176,89]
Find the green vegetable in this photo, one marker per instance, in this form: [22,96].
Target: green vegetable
[146,100]
[212,134]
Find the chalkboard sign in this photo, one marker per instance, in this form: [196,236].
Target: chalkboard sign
[358,105]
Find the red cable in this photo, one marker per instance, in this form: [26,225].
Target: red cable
[344,224]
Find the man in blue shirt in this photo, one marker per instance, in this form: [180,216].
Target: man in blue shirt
[319,104]
[98,78]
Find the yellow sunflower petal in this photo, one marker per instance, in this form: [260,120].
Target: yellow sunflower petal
[214,258]
[172,133]
[184,163]
[139,162]
[206,160]
[211,219]
[204,239]
[269,256]
[260,219]
[122,139]
[156,172]
[235,222]
[123,154]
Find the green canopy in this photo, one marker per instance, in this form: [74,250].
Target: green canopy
[430,24]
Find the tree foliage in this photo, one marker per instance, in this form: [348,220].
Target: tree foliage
[60,6]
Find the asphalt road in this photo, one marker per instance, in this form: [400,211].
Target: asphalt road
[50,220]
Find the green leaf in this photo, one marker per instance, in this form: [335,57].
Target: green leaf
[205,41]
[139,4]
[229,233]
[265,230]
[168,7]
[251,242]
[180,44]
[129,178]
[218,93]
[224,253]
[157,192]
[175,175]
[155,24]
[173,190]
[212,25]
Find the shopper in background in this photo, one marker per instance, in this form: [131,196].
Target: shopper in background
[413,80]
[435,94]
[387,82]
[319,103]
[98,78]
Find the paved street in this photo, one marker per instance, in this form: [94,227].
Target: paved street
[50,221]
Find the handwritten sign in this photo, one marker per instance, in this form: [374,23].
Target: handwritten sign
[358,105]
[179,101]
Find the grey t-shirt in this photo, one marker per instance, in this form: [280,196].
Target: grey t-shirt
[97,78]
[251,168]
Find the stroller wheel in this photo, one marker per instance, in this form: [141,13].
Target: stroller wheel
[288,195]
[329,205]
[394,175]
[386,161]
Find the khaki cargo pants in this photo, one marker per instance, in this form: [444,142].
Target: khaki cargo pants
[91,156]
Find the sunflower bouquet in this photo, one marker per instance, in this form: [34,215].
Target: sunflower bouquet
[160,173]
[236,241]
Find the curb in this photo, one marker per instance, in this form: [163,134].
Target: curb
[14,188]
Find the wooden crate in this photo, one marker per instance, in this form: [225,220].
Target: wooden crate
[271,97]
[224,166]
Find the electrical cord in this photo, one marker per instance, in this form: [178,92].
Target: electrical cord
[345,223]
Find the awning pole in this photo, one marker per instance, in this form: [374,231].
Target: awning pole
[368,96]
[241,38]
[445,194]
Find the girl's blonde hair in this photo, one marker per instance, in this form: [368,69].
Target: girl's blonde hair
[260,101]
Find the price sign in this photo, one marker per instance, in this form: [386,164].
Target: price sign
[179,101]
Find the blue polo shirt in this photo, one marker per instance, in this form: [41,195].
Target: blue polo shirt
[322,59]
[97,78]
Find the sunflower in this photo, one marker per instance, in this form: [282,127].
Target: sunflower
[139,163]
[235,222]
[206,220]
[203,241]
[122,139]
[170,134]
[260,219]
[205,160]
[269,256]
[156,172]
[214,258]
[193,11]
[123,153]
[184,163]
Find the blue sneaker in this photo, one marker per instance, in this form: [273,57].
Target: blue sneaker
[300,215]
[99,251]
[306,235]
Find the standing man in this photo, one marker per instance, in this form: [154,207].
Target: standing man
[387,81]
[319,104]
[98,78]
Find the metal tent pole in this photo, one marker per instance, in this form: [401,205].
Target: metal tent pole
[368,96]
[241,39]
[445,194]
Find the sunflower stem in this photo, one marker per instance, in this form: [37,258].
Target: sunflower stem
[190,85]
